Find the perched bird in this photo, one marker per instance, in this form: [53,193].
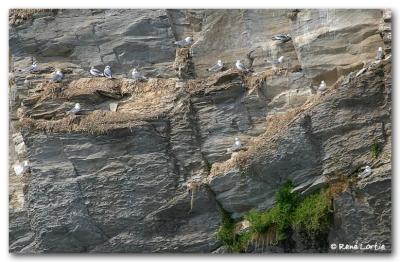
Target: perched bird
[95,72]
[34,67]
[217,67]
[278,61]
[138,75]
[367,170]
[107,72]
[75,109]
[185,42]
[241,67]
[322,86]
[21,168]
[380,54]
[282,37]
[57,76]
[237,146]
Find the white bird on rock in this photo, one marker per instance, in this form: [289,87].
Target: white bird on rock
[95,72]
[75,109]
[241,67]
[217,67]
[21,168]
[282,37]
[380,54]
[278,61]
[237,146]
[107,72]
[34,67]
[185,42]
[138,75]
[367,170]
[57,76]
[322,86]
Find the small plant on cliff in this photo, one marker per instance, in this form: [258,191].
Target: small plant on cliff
[271,226]
[226,234]
[267,228]
[313,215]
[287,200]
[226,230]
[375,150]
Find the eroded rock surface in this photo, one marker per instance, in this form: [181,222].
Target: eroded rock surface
[152,174]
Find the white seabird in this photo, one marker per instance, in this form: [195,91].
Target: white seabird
[367,170]
[282,37]
[107,72]
[21,168]
[95,72]
[138,75]
[217,67]
[237,146]
[241,67]
[380,54]
[34,67]
[185,42]
[322,86]
[75,109]
[57,76]
[278,61]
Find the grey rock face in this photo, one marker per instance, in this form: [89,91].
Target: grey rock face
[119,38]
[73,192]
[333,137]
[145,177]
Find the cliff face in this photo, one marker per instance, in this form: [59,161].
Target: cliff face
[154,175]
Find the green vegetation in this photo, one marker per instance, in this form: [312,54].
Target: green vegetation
[226,234]
[270,226]
[310,216]
[226,230]
[287,200]
[375,150]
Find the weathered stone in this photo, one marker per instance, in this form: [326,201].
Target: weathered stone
[143,176]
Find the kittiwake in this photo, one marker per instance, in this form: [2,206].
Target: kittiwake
[241,67]
[107,72]
[367,170]
[57,76]
[282,37]
[278,61]
[322,86]
[34,67]
[380,54]
[217,67]
[185,42]
[75,109]
[138,75]
[95,72]
[237,146]
[21,168]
